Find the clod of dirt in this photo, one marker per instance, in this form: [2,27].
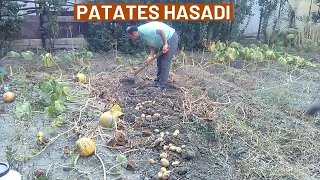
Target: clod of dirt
[146,133]
[127,81]
[131,165]
[182,170]
[38,173]
[238,64]
[188,154]
[67,168]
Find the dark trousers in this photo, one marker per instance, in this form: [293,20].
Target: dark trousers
[164,62]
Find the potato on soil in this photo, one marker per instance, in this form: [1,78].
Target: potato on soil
[162,134]
[8,97]
[178,149]
[163,169]
[151,161]
[160,174]
[165,147]
[163,155]
[176,133]
[166,175]
[156,131]
[172,148]
[175,163]
[148,117]
[156,116]
[164,162]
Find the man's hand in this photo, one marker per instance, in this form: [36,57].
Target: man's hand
[165,48]
[148,61]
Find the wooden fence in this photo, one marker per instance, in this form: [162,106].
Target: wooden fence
[68,38]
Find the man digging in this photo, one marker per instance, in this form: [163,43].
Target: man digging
[157,35]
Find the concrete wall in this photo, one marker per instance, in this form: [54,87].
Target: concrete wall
[301,7]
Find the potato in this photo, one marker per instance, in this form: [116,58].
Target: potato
[163,169]
[160,174]
[156,115]
[178,149]
[172,148]
[165,147]
[151,161]
[175,133]
[148,117]
[164,162]
[162,134]
[183,146]
[163,155]
[156,131]
[143,116]
[166,175]
[175,163]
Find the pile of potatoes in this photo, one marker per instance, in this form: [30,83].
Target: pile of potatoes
[164,173]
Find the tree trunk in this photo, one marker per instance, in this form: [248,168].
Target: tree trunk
[309,11]
[277,20]
[292,19]
[43,37]
[260,22]
[1,3]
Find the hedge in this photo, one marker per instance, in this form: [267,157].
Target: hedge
[192,34]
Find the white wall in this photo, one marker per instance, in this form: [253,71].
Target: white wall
[29,4]
[301,7]
[253,25]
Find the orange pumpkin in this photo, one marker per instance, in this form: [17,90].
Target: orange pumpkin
[85,146]
[8,97]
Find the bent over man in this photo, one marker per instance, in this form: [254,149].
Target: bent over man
[157,36]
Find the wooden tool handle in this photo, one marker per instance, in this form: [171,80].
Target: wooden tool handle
[145,65]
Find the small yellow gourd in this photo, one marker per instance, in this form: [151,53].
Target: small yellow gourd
[81,77]
[108,119]
[85,146]
[8,97]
